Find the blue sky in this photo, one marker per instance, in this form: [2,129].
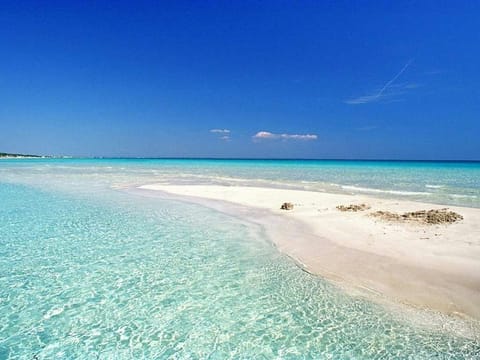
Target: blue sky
[303,79]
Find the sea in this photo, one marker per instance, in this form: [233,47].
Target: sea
[89,269]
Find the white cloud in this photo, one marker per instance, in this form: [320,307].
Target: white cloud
[223,134]
[382,93]
[264,135]
[268,135]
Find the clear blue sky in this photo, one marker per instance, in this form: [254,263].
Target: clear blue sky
[392,79]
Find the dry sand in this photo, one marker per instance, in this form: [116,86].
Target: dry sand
[428,266]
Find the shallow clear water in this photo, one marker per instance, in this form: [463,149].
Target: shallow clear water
[454,183]
[89,271]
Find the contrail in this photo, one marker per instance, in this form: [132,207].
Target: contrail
[376,96]
[385,87]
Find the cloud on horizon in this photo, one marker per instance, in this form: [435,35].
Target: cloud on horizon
[271,136]
[384,91]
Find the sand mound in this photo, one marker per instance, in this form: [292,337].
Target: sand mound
[441,216]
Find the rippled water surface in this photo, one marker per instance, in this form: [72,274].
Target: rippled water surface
[88,270]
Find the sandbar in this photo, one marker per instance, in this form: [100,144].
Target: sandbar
[422,265]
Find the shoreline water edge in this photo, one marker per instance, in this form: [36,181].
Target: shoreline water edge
[427,266]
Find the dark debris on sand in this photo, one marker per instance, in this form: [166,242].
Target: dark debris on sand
[353,207]
[441,216]
[286,206]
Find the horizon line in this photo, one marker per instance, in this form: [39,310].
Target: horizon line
[67,157]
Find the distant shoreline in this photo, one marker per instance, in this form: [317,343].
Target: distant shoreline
[29,156]
[19,156]
[24,157]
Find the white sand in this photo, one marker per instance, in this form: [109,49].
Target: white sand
[432,266]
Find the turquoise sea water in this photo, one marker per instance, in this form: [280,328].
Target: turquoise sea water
[454,183]
[88,270]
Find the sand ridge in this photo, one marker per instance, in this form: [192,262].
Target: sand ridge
[426,265]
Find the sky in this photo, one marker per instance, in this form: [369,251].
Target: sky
[247,79]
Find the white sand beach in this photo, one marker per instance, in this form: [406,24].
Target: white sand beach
[434,266]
